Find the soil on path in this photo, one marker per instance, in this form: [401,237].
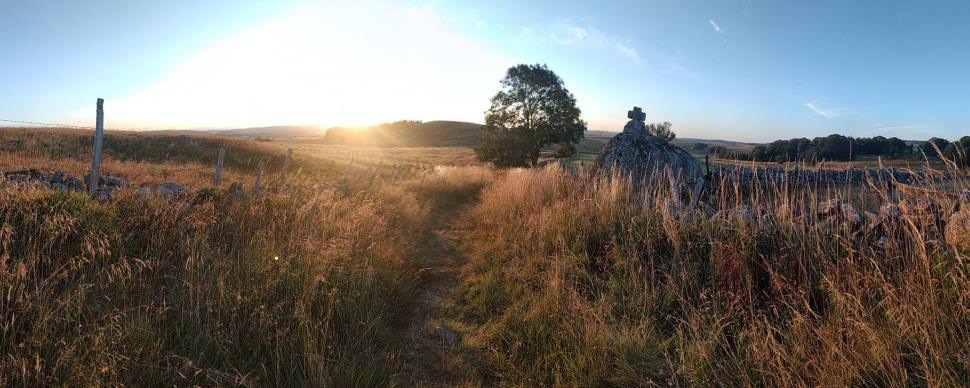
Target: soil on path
[434,352]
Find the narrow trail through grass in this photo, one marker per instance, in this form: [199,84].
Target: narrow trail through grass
[433,354]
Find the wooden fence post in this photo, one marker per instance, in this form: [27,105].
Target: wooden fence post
[216,179]
[98,141]
[259,177]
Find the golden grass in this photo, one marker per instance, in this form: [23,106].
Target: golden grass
[384,156]
[571,281]
[305,286]
[588,283]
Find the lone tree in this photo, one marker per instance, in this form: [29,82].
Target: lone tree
[532,110]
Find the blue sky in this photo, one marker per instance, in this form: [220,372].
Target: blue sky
[734,69]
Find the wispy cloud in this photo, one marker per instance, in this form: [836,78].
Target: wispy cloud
[568,33]
[829,113]
[716,27]
[627,51]
[892,128]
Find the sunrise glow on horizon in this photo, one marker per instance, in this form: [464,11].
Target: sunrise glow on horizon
[742,70]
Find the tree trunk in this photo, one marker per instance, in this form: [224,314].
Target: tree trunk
[534,158]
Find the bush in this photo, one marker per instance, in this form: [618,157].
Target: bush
[565,151]
[662,131]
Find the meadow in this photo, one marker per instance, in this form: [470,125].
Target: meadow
[419,267]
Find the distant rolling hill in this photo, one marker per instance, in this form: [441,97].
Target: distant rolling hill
[682,141]
[408,134]
[277,131]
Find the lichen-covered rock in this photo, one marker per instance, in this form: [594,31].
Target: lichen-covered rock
[57,177]
[640,156]
[169,189]
[73,184]
[835,209]
[114,181]
[105,193]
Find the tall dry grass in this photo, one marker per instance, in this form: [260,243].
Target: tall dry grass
[304,286]
[583,282]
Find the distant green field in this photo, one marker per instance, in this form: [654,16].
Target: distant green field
[589,147]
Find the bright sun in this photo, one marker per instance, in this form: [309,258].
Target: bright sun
[313,66]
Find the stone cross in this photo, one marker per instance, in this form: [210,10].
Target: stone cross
[636,114]
[636,126]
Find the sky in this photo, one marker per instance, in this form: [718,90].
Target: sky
[750,70]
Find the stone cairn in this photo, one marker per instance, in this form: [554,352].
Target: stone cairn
[642,156]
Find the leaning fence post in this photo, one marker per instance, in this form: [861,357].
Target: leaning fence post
[216,179]
[259,176]
[96,158]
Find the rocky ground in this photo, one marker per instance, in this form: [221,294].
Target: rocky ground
[108,185]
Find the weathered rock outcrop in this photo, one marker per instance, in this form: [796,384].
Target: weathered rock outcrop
[637,154]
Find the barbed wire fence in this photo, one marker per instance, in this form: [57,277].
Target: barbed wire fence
[44,124]
[94,181]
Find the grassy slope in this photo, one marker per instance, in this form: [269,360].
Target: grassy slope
[135,146]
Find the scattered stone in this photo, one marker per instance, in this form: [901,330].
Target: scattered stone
[924,212]
[145,192]
[104,193]
[113,181]
[446,335]
[737,214]
[640,156]
[237,191]
[73,184]
[764,175]
[169,189]
[844,211]
[57,177]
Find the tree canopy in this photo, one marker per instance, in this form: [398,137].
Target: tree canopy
[834,147]
[662,131]
[533,109]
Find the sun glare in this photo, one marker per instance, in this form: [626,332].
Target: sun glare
[302,67]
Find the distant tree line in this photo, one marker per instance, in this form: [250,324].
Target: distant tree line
[843,148]
[833,148]
[955,151]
